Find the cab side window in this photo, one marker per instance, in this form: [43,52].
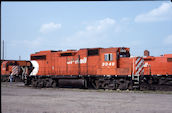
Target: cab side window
[108,57]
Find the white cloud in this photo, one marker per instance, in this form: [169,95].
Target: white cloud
[25,47]
[125,20]
[92,35]
[99,33]
[36,43]
[45,28]
[101,25]
[168,40]
[162,13]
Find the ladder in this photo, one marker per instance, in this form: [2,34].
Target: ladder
[136,81]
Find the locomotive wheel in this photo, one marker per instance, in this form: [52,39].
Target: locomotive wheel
[48,83]
[40,83]
[162,81]
[123,84]
[34,83]
[111,86]
[97,84]
[54,84]
[130,85]
[85,84]
[26,82]
[105,84]
[144,86]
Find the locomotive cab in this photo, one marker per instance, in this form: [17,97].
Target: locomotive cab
[123,52]
[115,61]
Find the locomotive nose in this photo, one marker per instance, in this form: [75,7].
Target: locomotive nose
[35,66]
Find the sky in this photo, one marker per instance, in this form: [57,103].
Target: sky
[29,27]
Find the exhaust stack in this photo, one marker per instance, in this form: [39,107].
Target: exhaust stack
[146,53]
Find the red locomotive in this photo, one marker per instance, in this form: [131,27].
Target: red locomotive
[157,72]
[17,69]
[110,68]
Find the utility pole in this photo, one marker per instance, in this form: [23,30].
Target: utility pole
[3,50]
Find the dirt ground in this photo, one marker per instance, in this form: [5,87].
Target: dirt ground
[16,98]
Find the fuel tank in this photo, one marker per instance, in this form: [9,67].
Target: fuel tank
[77,83]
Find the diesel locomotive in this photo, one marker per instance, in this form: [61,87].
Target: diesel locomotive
[98,68]
[107,68]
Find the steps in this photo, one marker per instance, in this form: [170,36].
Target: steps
[136,81]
